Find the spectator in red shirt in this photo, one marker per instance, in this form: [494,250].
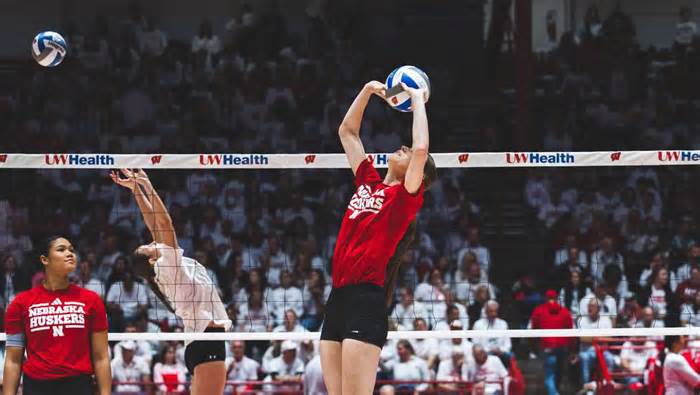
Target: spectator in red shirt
[689,288]
[551,315]
[63,329]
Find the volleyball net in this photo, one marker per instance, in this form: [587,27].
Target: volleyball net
[610,236]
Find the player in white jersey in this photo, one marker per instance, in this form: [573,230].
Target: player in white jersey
[182,284]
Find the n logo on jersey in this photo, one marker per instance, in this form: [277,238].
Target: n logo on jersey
[57,331]
[364,201]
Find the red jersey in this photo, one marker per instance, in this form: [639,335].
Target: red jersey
[56,326]
[376,219]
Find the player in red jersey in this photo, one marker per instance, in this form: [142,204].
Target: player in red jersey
[62,328]
[378,226]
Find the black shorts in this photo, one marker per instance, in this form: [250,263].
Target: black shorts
[74,385]
[205,351]
[356,312]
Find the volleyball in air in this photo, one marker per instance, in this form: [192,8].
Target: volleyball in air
[49,49]
[413,77]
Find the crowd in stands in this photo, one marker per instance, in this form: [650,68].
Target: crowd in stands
[625,251]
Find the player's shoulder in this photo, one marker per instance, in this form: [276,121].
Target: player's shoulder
[27,295]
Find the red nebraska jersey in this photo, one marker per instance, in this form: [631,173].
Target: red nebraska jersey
[374,223]
[56,326]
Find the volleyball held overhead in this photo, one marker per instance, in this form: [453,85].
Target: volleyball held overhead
[413,77]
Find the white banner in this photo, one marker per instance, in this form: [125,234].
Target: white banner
[338,161]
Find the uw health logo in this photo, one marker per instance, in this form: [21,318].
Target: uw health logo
[364,201]
[56,316]
[155,159]
[463,158]
[309,159]
[615,156]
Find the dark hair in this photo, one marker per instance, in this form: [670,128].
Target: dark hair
[670,340]
[142,267]
[392,269]
[48,243]
[407,345]
[429,173]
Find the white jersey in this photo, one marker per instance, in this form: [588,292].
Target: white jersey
[190,291]
[679,377]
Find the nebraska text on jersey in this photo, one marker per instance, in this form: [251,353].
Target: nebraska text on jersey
[365,201]
[43,316]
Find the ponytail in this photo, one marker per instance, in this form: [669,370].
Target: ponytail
[392,269]
[143,268]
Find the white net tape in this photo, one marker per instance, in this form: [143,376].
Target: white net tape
[453,334]
[336,161]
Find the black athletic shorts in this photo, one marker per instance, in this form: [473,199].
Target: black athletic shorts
[356,312]
[74,385]
[205,351]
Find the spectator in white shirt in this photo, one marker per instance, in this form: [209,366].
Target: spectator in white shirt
[685,29]
[152,40]
[239,367]
[168,374]
[587,353]
[427,349]
[604,256]
[431,294]
[537,189]
[483,256]
[550,212]
[128,298]
[409,368]
[287,367]
[486,373]
[297,209]
[408,309]
[88,281]
[608,307]
[466,290]
[693,258]
[285,297]
[452,313]
[206,46]
[634,357]
[313,378]
[571,294]
[125,213]
[290,323]
[679,376]
[448,345]
[690,312]
[452,369]
[563,255]
[277,261]
[498,346]
[253,315]
[129,369]
[143,349]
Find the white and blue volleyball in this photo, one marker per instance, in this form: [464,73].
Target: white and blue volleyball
[413,77]
[49,49]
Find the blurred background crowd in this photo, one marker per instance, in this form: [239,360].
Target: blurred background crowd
[619,246]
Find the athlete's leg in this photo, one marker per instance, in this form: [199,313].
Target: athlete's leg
[332,366]
[360,361]
[209,378]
